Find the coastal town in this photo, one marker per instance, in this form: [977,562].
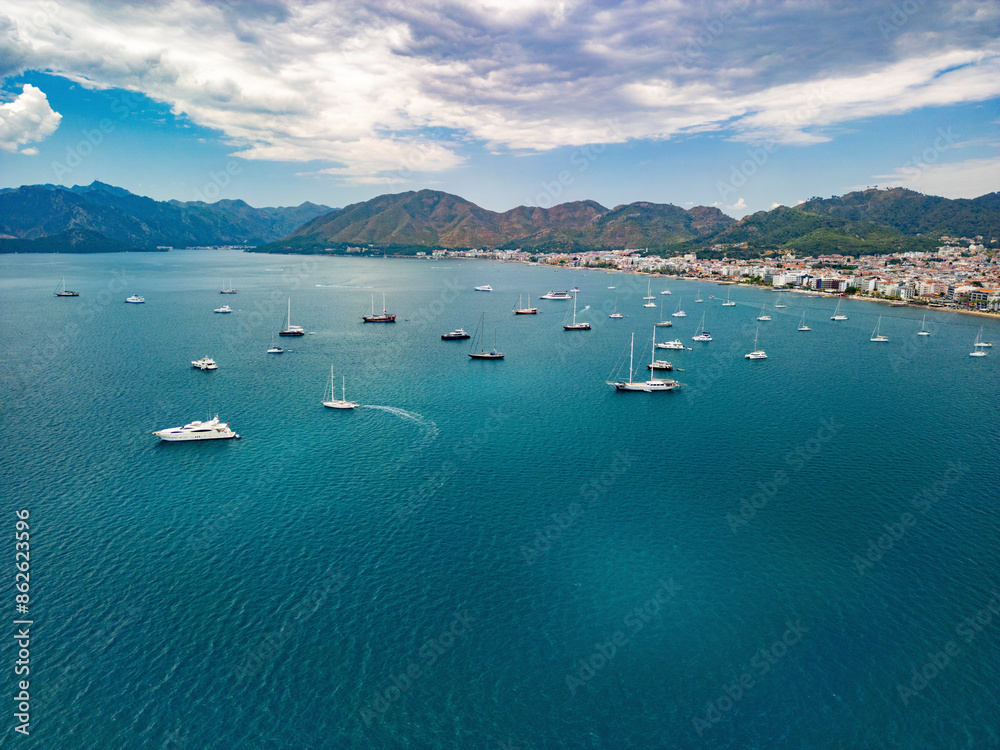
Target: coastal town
[961,274]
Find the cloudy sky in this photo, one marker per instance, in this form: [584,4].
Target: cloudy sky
[740,104]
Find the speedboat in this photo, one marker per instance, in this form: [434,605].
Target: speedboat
[557,295]
[224,309]
[458,333]
[210,430]
[484,288]
[135,299]
[205,363]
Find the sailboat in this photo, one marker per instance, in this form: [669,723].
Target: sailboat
[665,291]
[273,349]
[342,403]
[653,385]
[289,329]
[664,323]
[228,289]
[704,335]
[658,364]
[756,353]
[62,291]
[763,315]
[979,339]
[699,297]
[616,314]
[679,313]
[648,295]
[923,328]
[876,334]
[778,303]
[384,317]
[728,302]
[481,335]
[529,310]
[574,326]
[802,324]
[977,348]
[837,315]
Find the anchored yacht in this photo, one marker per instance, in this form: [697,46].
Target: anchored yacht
[210,430]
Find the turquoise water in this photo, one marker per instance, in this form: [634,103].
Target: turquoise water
[429,570]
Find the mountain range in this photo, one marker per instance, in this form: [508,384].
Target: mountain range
[104,218]
[864,222]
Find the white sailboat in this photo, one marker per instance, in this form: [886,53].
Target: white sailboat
[699,297]
[980,338]
[337,403]
[574,326]
[756,353]
[616,314]
[481,335]
[923,328]
[728,302]
[802,324]
[837,315]
[977,348]
[664,323]
[648,295]
[289,329]
[529,310]
[665,291]
[704,335]
[62,291]
[678,313]
[877,334]
[778,304]
[763,315]
[653,385]
[274,348]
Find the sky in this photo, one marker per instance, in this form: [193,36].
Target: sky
[738,104]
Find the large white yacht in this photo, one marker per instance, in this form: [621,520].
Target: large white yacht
[205,363]
[224,309]
[557,295]
[210,430]
[135,299]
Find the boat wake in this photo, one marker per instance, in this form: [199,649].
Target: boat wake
[429,428]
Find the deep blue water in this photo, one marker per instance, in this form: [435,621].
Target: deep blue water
[273,592]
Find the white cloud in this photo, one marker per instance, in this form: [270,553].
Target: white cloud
[27,119]
[738,209]
[363,85]
[776,205]
[965,179]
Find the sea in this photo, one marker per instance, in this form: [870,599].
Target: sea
[797,552]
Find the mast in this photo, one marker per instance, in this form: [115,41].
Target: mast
[631,346]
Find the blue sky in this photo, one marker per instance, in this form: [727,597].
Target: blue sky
[741,105]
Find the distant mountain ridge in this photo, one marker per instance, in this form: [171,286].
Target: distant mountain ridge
[431,218]
[53,218]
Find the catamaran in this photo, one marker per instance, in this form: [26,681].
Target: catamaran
[728,302]
[977,348]
[678,313]
[704,335]
[877,334]
[616,314]
[756,353]
[837,315]
[763,315]
[923,328]
[648,295]
[802,324]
